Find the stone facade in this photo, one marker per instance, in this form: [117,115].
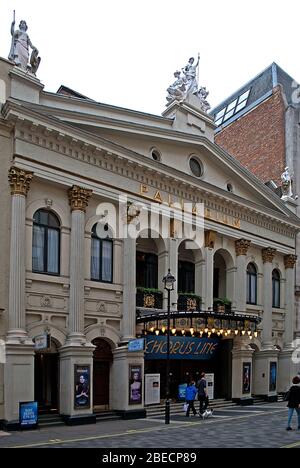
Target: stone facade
[73,158]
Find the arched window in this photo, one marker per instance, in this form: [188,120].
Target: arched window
[46,243]
[102,256]
[251,284]
[186,277]
[276,289]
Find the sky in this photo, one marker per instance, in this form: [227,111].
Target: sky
[124,52]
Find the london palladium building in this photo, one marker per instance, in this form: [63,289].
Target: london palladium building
[88,294]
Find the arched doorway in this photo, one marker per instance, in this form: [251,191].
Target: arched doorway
[46,379]
[103,358]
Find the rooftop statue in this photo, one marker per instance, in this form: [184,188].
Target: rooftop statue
[19,51]
[287,180]
[186,83]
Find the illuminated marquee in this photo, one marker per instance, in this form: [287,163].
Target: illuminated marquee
[181,348]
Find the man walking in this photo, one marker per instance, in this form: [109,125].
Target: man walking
[202,394]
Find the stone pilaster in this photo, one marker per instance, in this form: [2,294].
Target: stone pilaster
[290,316]
[78,199]
[20,183]
[241,249]
[129,291]
[268,257]
[208,270]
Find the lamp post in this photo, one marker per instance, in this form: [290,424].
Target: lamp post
[168,281]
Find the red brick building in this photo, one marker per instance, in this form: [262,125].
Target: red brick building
[259,125]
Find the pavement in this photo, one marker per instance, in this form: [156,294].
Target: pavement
[262,426]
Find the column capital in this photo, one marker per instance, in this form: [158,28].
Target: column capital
[268,255]
[19,181]
[210,239]
[242,247]
[79,198]
[290,261]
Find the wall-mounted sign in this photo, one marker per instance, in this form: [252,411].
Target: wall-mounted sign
[182,391]
[42,342]
[28,414]
[199,349]
[152,389]
[82,382]
[135,384]
[210,381]
[136,345]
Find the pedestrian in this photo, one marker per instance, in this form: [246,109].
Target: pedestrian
[293,399]
[202,394]
[190,395]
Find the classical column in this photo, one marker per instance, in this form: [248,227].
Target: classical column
[19,183]
[129,290]
[241,250]
[78,199]
[208,267]
[268,257]
[289,326]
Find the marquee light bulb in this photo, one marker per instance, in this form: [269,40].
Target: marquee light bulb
[244,332]
[192,331]
[173,331]
[213,330]
[156,332]
[236,332]
[206,330]
[221,331]
[256,334]
[183,332]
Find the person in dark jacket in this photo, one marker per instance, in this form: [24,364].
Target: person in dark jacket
[202,395]
[190,394]
[294,402]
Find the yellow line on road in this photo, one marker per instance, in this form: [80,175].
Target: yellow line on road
[296,444]
[143,431]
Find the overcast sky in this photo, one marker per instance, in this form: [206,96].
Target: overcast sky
[124,52]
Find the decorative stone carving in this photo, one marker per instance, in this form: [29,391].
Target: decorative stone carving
[46,301]
[186,83]
[19,51]
[210,239]
[101,307]
[242,246]
[290,261]
[287,181]
[79,198]
[133,212]
[268,255]
[19,181]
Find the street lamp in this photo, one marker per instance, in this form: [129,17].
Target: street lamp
[168,281]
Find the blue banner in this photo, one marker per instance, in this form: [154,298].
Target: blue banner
[28,414]
[199,349]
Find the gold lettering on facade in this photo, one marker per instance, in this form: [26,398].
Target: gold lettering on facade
[157,197]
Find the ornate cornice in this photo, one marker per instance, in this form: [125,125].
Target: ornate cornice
[290,261]
[242,247]
[268,255]
[79,198]
[19,181]
[210,239]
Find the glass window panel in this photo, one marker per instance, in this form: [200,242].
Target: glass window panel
[38,248]
[53,221]
[228,115]
[107,257]
[220,114]
[241,106]
[218,122]
[244,96]
[43,217]
[231,105]
[95,259]
[53,251]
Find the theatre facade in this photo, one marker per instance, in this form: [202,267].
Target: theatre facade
[81,270]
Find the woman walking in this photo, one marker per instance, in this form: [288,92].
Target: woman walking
[294,402]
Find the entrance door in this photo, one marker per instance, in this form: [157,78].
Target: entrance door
[102,362]
[46,382]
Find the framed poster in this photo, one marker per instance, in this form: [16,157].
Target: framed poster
[28,414]
[246,377]
[135,384]
[210,381]
[273,377]
[152,389]
[82,385]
